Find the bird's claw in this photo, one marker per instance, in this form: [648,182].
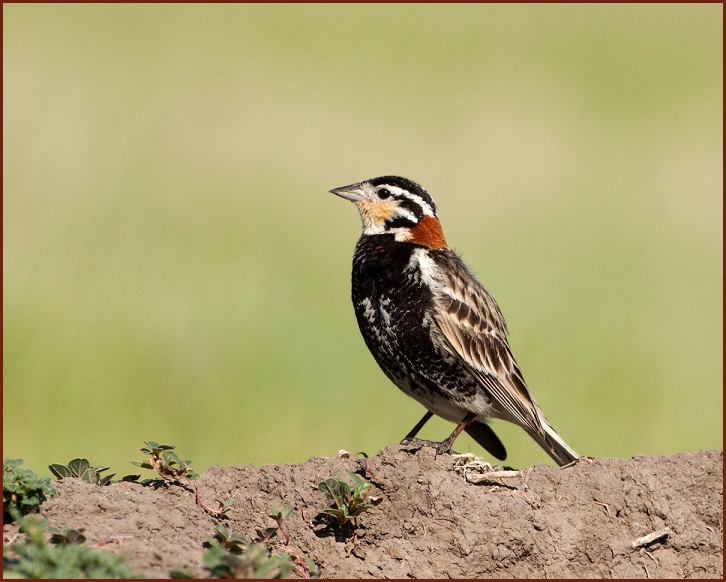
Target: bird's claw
[444,447]
[416,444]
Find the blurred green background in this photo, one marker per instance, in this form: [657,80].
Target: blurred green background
[175,268]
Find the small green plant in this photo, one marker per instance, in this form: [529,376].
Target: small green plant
[364,462]
[279,517]
[173,469]
[23,490]
[224,506]
[221,511]
[71,558]
[350,503]
[165,462]
[67,537]
[224,538]
[255,562]
[232,556]
[81,469]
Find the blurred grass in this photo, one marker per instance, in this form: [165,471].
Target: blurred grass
[174,268]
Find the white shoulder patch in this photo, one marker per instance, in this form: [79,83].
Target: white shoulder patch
[430,271]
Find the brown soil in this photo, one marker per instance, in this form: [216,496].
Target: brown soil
[433,522]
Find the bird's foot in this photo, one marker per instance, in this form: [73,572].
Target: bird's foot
[582,459]
[416,444]
[443,447]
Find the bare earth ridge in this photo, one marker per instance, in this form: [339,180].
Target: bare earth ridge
[433,522]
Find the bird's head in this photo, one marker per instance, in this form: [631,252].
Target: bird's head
[397,206]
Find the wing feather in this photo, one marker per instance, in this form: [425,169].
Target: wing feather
[473,327]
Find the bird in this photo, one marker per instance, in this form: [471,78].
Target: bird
[432,327]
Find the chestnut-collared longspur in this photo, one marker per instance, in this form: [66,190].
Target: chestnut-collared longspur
[434,330]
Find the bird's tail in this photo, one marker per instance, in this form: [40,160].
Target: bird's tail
[552,443]
[483,434]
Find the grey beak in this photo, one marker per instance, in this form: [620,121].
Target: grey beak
[354,192]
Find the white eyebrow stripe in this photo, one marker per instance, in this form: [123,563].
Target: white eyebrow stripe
[425,206]
[405,212]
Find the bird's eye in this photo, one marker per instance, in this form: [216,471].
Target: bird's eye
[384,193]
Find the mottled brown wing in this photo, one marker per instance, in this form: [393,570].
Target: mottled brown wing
[472,325]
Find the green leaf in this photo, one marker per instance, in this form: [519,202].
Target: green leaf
[107,479]
[266,535]
[67,537]
[78,467]
[329,487]
[336,489]
[279,516]
[89,476]
[359,483]
[171,458]
[59,471]
[221,530]
[342,516]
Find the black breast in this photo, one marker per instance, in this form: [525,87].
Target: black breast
[390,304]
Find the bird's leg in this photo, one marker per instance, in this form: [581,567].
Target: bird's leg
[410,438]
[445,445]
[414,431]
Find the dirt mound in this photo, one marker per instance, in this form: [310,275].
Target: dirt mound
[580,521]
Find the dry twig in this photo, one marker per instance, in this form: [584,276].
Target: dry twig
[606,506]
[650,538]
